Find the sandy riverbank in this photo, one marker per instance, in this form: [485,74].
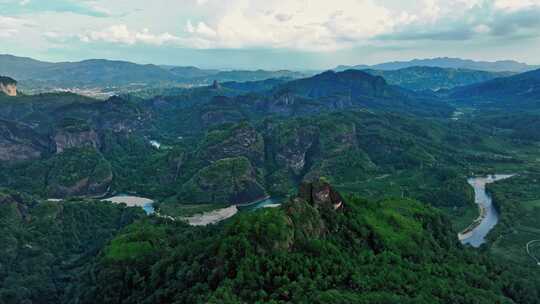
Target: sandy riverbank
[212,217]
[130,201]
[476,233]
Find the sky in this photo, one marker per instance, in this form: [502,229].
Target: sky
[270,34]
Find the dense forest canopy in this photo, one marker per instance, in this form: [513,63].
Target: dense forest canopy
[373,180]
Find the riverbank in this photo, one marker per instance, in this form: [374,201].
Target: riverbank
[211,217]
[133,201]
[477,231]
[467,232]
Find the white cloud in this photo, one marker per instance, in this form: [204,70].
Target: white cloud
[516,4]
[10,26]
[122,34]
[315,25]
[201,29]
[432,10]
[482,29]
[298,24]
[96,7]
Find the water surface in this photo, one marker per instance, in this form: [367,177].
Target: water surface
[265,203]
[489,216]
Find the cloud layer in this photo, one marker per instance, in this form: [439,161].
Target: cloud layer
[309,26]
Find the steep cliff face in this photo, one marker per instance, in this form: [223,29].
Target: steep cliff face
[65,140]
[291,144]
[19,143]
[79,172]
[8,86]
[227,181]
[241,140]
[320,194]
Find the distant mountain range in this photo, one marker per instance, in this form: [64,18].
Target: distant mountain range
[511,91]
[98,77]
[445,62]
[107,73]
[421,78]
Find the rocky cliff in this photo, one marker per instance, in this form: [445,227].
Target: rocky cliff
[240,140]
[8,86]
[226,181]
[320,194]
[19,143]
[66,140]
[79,172]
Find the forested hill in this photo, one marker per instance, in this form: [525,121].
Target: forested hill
[316,248]
[508,92]
[420,78]
[101,73]
[45,244]
[453,63]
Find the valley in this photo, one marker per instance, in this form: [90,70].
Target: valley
[273,188]
[269,152]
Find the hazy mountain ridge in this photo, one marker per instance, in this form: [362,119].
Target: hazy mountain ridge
[110,73]
[509,91]
[446,62]
[419,78]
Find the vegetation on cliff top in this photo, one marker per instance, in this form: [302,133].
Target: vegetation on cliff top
[45,244]
[304,252]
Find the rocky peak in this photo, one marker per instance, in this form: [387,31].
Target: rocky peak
[320,194]
[8,86]
[20,143]
[216,85]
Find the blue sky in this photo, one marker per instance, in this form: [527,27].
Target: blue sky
[270,34]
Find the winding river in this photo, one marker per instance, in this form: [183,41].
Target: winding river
[475,234]
[268,202]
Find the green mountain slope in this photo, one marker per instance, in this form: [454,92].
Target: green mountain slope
[522,89]
[317,248]
[453,63]
[44,244]
[433,78]
[111,74]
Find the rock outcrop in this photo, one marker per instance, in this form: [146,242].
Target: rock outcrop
[241,140]
[320,194]
[88,186]
[313,210]
[19,143]
[293,145]
[79,172]
[66,140]
[8,86]
[226,181]
[216,85]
